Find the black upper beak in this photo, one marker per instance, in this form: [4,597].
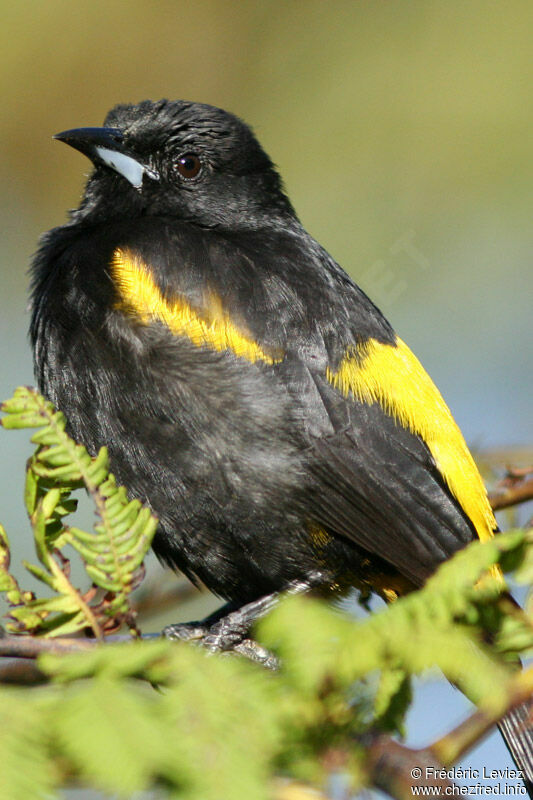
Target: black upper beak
[106,146]
[86,140]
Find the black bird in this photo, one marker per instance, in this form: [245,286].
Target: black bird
[247,389]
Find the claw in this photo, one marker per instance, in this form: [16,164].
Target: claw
[185,631]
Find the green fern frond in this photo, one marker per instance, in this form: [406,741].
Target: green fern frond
[27,770]
[438,627]
[112,554]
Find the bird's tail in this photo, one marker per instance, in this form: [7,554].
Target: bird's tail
[517,731]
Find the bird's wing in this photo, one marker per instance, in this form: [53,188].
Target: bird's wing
[395,473]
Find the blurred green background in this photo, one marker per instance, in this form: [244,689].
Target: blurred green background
[403,133]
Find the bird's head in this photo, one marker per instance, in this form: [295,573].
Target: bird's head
[175,158]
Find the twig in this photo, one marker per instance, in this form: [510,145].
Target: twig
[32,646]
[22,672]
[393,766]
[462,738]
[510,495]
[516,473]
[395,769]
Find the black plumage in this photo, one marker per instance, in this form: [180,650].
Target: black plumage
[240,461]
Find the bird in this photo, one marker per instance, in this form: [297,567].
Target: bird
[248,391]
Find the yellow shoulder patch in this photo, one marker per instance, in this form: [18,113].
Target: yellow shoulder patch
[393,377]
[140,295]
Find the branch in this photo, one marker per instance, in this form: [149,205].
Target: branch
[392,765]
[512,490]
[462,738]
[21,672]
[395,769]
[32,646]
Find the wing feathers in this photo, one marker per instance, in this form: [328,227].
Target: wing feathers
[377,485]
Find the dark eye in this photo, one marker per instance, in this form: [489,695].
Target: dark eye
[188,166]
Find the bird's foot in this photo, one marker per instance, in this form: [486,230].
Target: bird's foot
[216,640]
[227,629]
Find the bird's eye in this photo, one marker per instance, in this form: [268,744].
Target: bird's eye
[189,166]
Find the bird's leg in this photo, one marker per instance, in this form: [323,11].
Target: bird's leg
[228,627]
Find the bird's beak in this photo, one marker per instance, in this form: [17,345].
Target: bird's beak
[106,146]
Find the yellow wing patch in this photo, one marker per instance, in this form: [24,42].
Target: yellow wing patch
[319,536]
[393,377]
[139,294]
